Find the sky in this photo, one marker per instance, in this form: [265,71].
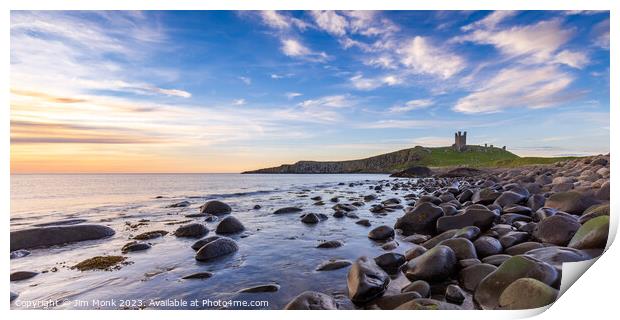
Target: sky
[227,91]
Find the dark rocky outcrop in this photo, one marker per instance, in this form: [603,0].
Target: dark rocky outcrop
[56,235]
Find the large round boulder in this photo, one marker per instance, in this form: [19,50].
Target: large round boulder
[381,233]
[471,276]
[556,256]
[592,234]
[427,304]
[491,287]
[56,235]
[487,246]
[217,248]
[421,219]
[366,281]
[572,202]
[538,295]
[192,230]
[435,264]
[481,218]
[215,208]
[556,230]
[229,225]
[463,248]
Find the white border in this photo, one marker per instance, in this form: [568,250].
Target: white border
[592,296]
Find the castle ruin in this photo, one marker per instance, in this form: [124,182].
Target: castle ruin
[460,141]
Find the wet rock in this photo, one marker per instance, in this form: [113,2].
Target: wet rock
[471,276]
[487,246]
[229,225]
[287,210]
[61,222]
[19,253]
[198,275]
[370,197]
[536,202]
[366,281]
[480,218]
[338,214]
[422,219]
[211,218]
[257,207]
[557,230]
[439,238]
[390,262]
[388,246]
[381,233]
[22,275]
[181,204]
[463,248]
[510,198]
[496,259]
[216,248]
[215,208]
[522,248]
[556,256]
[427,304]
[393,301]
[485,196]
[192,230]
[135,246]
[419,286]
[538,295]
[572,202]
[511,218]
[469,233]
[261,288]
[14,296]
[603,192]
[56,235]
[330,244]
[151,235]
[592,234]
[200,243]
[311,300]
[593,212]
[512,238]
[417,238]
[435,264]
[455,294]
[363,222]
[491,287]
[468,262]
[333,265]
[317,198]
[414,252]
[310,218]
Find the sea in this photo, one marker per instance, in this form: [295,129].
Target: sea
[274,249]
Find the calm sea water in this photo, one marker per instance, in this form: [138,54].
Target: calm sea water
[274,249]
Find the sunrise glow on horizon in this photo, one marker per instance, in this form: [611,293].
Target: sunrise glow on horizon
[192,91]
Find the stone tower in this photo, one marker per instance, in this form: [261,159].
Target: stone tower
[460,141]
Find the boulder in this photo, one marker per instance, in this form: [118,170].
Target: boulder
[271,287]
[393,301]
[488,291]
[198,275]
[381,233]
[557,230]
[485,196]
[593,212]
[200,243]
[229,225]
[435,264]
[496,259]
[471,276]
[192,230]
[390,262]
[22,275]
[419,286]
[538,295]
[135,246]
[414,172]
[480,218]
[427,304]
[333,265]
[454,294]
[287,210]
[463,248]
[524,247]
[217,248]
[366,281]
[487,246]
[512,238]
[509,198]
[56,235]
[592,234]
[603,192]
[421,219]
[215,207]
[330,244]
[311,300]
[310,218]
[556,256]
[363,222]
[572,202]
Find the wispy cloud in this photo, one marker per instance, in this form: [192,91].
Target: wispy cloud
[246,80]
[412,105]
[239,102]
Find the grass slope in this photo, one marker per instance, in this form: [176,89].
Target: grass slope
[474,156]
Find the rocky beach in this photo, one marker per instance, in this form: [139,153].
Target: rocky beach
[461,239]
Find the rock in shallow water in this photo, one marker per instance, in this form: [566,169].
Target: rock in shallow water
[333,265]
[215,208]
[311,300]
[22,275]
[151,235]
[229,225]
[422,219]
[192,230]
[217,248]
[135,246]
[310,218]
[50,236]
[261,288]
[390,262]
[435,264]
[287,210]
[330,244]
[19,254]
[381,233]
[198,275]
[200,243]
[366,281]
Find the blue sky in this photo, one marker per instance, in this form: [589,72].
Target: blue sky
[224,91]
